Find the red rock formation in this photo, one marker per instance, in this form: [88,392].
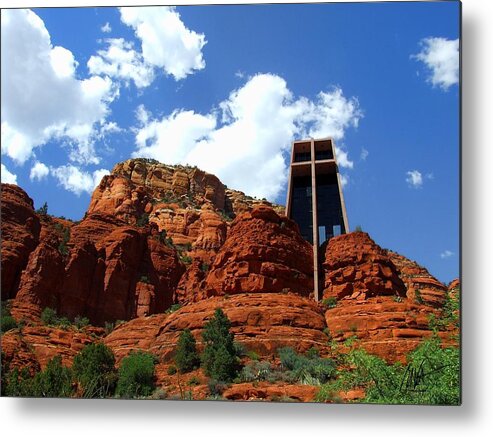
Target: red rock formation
[373,304]
[356,268]
[112,271]
[421,286]
[20,235]
[37,345]
[263,322]
[264,252]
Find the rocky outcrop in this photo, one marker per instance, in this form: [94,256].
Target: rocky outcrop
[421,286]
[262,322]
[264,252]
[193,207]
[356,268]
[20,235]
[375,300]
[107,271]
[36,345]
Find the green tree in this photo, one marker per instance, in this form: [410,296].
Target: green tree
[53,382]
[186,357]
[219,359]
[94,369]
[136,375]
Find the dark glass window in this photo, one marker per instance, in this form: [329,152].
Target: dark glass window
[302,156]
[323,154]
[301,205]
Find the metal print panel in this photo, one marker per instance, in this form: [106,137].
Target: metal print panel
[237,203]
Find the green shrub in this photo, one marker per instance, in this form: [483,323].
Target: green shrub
[330,302]
[220,360]
[193,381]
[172,370]
[216,388]
[49,316]
[7,322]
[185,259]
[65,237]
[256,371]
[143,220]
[253,355]
[81,322]
[310,369]
[204,267]
[187,357]
[136,375]
[144,279]
[431,377]
[94,369]
[173,308]
[358,229]
[43,210]
[53,382]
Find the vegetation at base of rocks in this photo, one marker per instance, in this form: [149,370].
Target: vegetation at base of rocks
[193,381]
[172,370]
[330,302]
[225,216]
[253,355]
[418,298]
[204,267]
[163,238]
[185,259]
[53,382]
[43,210]
[308,369]
[49,317]
[219,359]
[186,357]
[7,322]
[94,369]
[216,388]
[64,235]
[449,315]
[136,375]
[256,371]
[143,220]
[431,377]
[173,308]
[144,279]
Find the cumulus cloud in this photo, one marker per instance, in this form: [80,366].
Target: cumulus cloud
[121,61]
[39,171]
[246,140]
[7,177]
[364,154]
[414,179]
[106,28]
[76,180]
[441,57]
[41,98]
[446,254]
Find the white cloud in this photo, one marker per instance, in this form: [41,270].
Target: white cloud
[364,154]
[39,171]
[166,42]
[7,177]
[414,179]
[121,61]
[74,179]
[344,179]
[106,28]
[244,143]
[446,254]
[41,97]
[441,57]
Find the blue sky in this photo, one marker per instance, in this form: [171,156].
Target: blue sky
[227,88]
